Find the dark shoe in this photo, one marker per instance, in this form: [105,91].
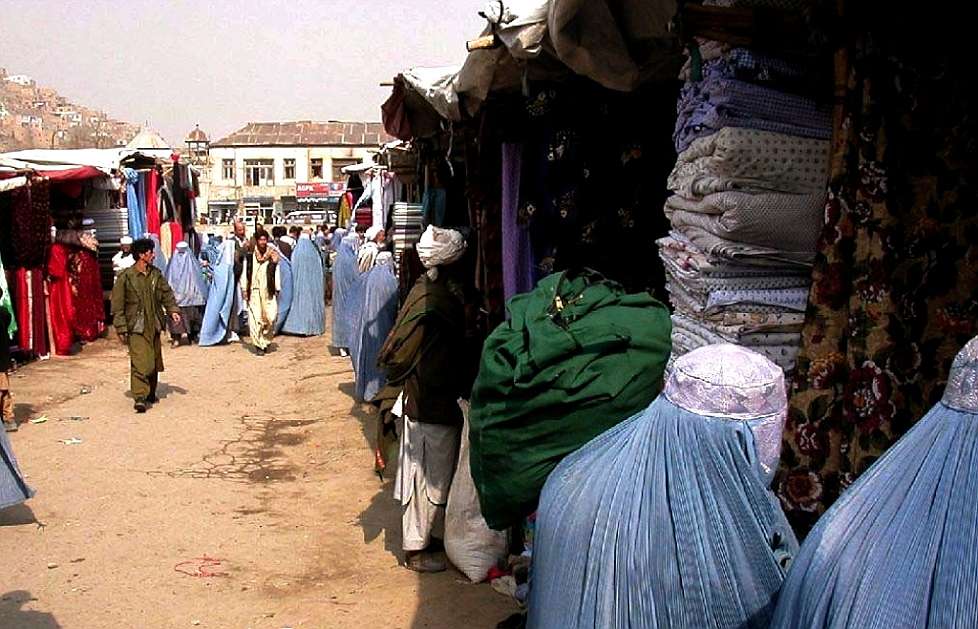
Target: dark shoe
[139,407]
[424,562]
[152,399]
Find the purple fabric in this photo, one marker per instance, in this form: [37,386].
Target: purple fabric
[517,253]
[707,106]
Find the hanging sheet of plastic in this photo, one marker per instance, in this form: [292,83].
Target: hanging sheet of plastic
[285,291]
[577,356]
[344,276]
[900,547]
[13,488]
[665,520]
[307,315]
[222,297]
[374,323]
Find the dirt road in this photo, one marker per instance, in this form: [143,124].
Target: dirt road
[244,499]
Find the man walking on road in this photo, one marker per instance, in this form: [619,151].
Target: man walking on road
[141,298]
[260,288]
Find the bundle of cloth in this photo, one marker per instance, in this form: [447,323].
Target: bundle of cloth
[667,520]
[748,203]
[899,548]
[577,356]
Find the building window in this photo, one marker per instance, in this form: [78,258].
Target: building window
[339,164]
[227,167]
[316,168]
[259,172]
[289,168]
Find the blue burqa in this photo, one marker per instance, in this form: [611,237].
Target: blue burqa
[374,323]
[135,209]
[223,299]
[345,303]
[900,547]
[666,520]
[285,291]
[186,278]
[307,315]
[13,487]
[159,261]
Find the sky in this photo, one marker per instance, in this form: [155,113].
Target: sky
[177,63]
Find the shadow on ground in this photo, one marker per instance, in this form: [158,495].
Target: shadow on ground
[12,613]
[17,515]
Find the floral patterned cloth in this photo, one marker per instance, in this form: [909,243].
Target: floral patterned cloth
[895,292]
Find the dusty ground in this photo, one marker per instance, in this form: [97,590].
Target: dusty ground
[261,464]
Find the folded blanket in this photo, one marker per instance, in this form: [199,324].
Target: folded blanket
[740,252]
[751,159]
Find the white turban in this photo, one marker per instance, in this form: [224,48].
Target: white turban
[438,247]
[125,240]
[372,232]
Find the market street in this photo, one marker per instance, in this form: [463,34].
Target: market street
[245,498]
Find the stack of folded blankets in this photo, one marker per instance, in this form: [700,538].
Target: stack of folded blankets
[748,203]
[407,226]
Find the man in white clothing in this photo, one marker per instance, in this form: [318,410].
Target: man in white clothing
[123,259]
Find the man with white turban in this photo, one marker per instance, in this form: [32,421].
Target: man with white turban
[123,259]
[424,361]
[367,255]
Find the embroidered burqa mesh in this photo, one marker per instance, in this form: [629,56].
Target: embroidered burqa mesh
[900,547]
[307,314]
[666,520]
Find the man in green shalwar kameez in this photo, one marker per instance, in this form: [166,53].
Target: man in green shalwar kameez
[141,299]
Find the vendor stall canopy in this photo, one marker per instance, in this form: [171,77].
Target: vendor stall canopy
[619,45]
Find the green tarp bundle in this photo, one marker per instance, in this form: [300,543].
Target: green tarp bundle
[577,356]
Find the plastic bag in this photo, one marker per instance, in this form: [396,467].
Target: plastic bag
[470,544]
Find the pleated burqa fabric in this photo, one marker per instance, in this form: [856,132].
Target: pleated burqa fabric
[307,314]
[345,274]
[666,521]
[900,546]
[13,487]
[159,260]
[285,291]
[377,316]
[185,277]
[223,299]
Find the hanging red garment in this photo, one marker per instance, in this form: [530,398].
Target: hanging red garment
[86,283]
[176,236]
[152,202]
[62,302]
[29,307]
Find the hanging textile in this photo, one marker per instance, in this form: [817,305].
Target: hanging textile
[137,215]
[899,548]
[6,303]
[151,183]
[89,304]
[666,520]
[62,300]
[307,314]
[31,309]
[30,224]
[895,284]
[518,271]
[159,261]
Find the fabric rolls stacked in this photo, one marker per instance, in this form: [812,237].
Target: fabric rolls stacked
[747,206]
[408,222]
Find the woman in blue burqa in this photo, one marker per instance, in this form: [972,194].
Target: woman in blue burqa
[224,301]
[186,278]
[13,488]
[666,520]
[376,318]
[159,260]
[285,290]
[345,301]
[307,314]
[900,547]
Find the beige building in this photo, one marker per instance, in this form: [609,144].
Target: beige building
[255,171]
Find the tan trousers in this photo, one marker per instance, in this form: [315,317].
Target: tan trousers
[261,319]
[6,401]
